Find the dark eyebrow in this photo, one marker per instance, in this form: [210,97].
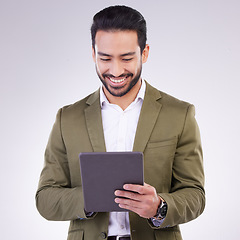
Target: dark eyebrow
[104,54]
[128,54]
[122,55]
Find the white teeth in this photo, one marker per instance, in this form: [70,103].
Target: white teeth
[117,81]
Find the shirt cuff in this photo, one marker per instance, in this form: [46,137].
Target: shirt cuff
[89,214]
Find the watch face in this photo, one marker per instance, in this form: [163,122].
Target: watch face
[163,210]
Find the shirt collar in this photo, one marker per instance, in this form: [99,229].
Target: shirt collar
[140,94]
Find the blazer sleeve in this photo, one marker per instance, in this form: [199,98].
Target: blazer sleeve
[186,200]
[55,198]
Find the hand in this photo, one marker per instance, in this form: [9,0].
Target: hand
[142,200]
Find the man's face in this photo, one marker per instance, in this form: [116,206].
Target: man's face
[118,60]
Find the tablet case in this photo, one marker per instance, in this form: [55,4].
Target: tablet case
[104,172]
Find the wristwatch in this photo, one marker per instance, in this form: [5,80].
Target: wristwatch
[161,211]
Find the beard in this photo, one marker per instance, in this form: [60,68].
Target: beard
[122,90]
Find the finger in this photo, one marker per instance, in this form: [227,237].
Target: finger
[146,189]
[127,194]
[147,185]
[134,188]
[128,202]
[129,207]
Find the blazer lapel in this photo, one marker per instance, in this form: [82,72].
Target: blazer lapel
[94,123]
[148,116]
[147,119]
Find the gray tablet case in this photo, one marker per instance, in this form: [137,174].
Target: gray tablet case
[104,172]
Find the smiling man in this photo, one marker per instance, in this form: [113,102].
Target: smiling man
[125,114]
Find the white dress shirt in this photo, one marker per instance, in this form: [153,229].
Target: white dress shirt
[119,132]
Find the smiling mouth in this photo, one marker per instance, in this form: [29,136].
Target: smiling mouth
[117,80]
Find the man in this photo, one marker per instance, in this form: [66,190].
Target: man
[125,114]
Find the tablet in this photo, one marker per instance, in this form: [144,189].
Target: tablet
[104,172]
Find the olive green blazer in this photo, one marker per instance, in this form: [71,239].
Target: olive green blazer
[169,138]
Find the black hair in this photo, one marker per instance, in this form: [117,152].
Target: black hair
[121,18]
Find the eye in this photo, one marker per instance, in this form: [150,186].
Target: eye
[127,59]
[105,59]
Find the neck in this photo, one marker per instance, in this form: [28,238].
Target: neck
[124,101]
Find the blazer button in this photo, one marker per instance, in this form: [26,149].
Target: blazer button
[103,235]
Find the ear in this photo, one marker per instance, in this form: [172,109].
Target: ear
[145,53]
[93,54]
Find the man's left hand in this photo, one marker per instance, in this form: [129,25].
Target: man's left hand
[142,200]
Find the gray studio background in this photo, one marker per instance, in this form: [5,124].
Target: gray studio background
[45,63]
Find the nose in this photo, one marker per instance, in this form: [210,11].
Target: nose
[116,68]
